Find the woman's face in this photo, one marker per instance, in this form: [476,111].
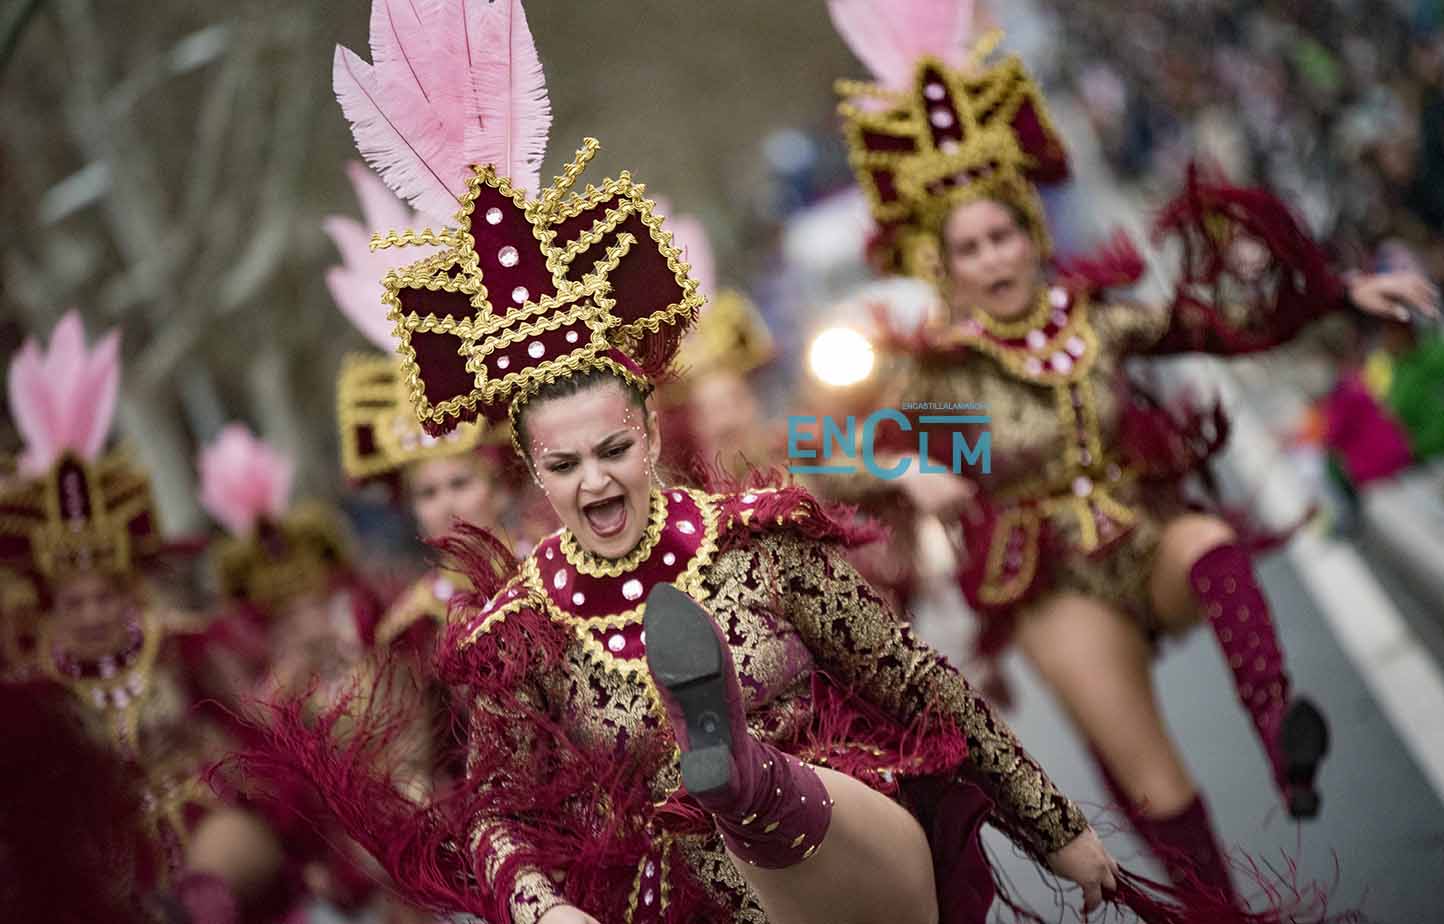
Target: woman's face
[724,413]
[90,612]
[444,490]
[991,260]
[594,453]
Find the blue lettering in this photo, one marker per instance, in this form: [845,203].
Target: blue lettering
[983,449]
[869,433]
[793,434]
[923,464]
[832,437]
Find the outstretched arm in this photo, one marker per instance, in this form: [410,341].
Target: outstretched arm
[855,636]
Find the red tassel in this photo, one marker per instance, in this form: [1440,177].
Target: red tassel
[1116,264]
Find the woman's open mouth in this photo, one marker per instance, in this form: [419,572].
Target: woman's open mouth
[606,518]
[1001,287]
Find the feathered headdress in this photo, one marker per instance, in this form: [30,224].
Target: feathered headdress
[731,333]
[939,129]
[533,285]
[73,507]
[273,551]
[380,435]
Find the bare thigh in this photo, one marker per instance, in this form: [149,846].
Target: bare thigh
[1099,665]
[1185,539]
[238,848]
[873,867]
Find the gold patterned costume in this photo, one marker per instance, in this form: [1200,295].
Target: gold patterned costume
[831,676]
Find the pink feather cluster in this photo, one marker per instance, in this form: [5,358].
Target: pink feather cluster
[356,283]
[889,36]
[689,235]
[63,396]
[452,83]
[243,479]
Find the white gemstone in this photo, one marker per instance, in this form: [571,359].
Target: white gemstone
[507,256]
[493,216]
[949,145]
[121,697]
[669,559]
[1037,340]
[519,294]
[1062,362]
[1060,318]
[649,898]
[677,496]
[934,91]
[1033,365]
[560,580]
[650,869]
[643,637]
[1082,486]
[941,118]
[551,553]
[749,498]
[107,667]
[489,605]
[616,643]
[1076,346]
[443,589]
[535,349]
[503,361]
[686,528]
[1058,297]
[579,598]
[632,590]
[571,336]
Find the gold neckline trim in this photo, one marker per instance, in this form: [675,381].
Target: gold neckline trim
[594,565]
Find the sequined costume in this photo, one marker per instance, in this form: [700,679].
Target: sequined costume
[831,673]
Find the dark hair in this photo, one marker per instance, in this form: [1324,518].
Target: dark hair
[570,385]
[1020,217]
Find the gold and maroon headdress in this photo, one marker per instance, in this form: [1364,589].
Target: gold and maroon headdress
[274,551]
[939,128]
[531,285]
[70,506]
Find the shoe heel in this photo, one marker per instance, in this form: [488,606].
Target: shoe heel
[1303,742]
[684,657]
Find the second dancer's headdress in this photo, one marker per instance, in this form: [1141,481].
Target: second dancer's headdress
[532,285]
[72,506]
[938,128]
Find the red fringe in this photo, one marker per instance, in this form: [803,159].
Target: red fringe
[1207,218]
[1117,264]
[779,498]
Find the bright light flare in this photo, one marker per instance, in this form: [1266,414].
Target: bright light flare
[840,356]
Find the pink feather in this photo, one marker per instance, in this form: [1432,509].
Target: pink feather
[690,236]
[356,283]
[63,397]
[415,111]
[243,479]
[889,36]
[510,96]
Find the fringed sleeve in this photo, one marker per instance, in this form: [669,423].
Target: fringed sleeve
[857,639]
[1252,278]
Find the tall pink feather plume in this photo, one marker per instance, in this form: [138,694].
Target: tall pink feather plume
[510,94]
[356,283]
[243,479]
[63,397]
[889,36]
[690,236]
[415,111]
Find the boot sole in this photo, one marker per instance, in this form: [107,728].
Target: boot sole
[1304,742]
[684,657]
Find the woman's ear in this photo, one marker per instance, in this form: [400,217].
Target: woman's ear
[654,435]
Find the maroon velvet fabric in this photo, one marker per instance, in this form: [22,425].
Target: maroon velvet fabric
[500,228]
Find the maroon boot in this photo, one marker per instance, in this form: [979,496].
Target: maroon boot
[1293,731]
[772,809]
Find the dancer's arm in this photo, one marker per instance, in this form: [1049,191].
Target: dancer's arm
[495,842]
[854,635]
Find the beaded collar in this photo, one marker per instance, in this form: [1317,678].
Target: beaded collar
[1054,345]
